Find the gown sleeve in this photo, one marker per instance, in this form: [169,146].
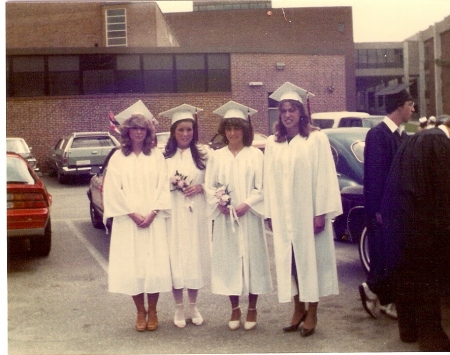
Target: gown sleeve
[327,198]
[114,200]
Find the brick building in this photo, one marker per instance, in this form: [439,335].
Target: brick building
[69,64]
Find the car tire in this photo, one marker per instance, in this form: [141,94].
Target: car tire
[41,246]
[62,179]
[96,219]
[364,250]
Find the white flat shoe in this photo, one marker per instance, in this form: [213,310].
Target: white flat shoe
[179,320]
[196,317]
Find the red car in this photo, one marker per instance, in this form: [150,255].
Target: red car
[28,206]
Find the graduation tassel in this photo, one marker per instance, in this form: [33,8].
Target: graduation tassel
[308,105]
[249,119]
[196,124]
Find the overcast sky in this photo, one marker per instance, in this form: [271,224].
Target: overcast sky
[373,20]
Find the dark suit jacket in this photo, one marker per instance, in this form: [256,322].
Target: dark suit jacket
[381,147]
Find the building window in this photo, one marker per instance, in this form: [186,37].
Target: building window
[379,58]
[191,72]
[129,74]
[64,75]
[219,72]
[97,73]
[92,74]
[28,75]
[158,73]
[116,28]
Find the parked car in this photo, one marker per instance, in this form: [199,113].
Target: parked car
[28,206]
[95,193]
[161,140]
[77,153]
[259,141]
[338,119]
[372,121]
[19,146]
[347,146]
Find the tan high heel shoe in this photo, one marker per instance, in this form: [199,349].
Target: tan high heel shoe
[141,321]
[152,323]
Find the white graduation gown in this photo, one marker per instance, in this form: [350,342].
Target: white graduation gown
[239,261]
[188,226]
[300,182]
[138,257]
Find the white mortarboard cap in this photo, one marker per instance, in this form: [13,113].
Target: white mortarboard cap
[235,109]
[423,119]
[289,91]
[137,107]
[181,112]
[432,119]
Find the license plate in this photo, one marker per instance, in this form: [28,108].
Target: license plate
[83,162]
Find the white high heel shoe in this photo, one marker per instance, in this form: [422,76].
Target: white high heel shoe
[196,317]
[250,325]
[179,319]
[235,324]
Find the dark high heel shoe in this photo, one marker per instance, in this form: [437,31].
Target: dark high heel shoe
[294,327]
[306,332]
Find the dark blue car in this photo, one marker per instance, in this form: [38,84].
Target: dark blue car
[347,146]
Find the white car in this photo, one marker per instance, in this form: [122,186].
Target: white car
[339,119]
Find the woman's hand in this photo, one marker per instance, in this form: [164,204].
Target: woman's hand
[223,209]
[193,190]
[242,209]
[319,224]
[143,221]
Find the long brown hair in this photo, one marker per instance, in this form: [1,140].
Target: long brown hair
[171,146]
[137,120]
[304,124]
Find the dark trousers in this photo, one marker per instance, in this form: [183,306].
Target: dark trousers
[378,279]
[419,312]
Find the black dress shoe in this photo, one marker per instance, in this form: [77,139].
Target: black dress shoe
[306,332]
[294,327]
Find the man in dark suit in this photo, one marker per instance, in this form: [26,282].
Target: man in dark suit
[416,221]
[382,143]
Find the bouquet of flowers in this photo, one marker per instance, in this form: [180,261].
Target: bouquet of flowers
[223,195]
[178,182]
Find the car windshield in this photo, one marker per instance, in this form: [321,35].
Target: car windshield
[17,171]
[88,142]
[17,146]
[323,122]
[358,150]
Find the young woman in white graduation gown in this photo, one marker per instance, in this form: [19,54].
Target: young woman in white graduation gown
[136,197]
[302,197]
[188,225]
[240,263]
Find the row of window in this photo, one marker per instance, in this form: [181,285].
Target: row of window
[116,73]
[379,58]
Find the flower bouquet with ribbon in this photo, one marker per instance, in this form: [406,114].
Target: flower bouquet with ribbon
[178,183]
[224,199]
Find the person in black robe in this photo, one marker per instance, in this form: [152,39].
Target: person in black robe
[416,223]
[382,143]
